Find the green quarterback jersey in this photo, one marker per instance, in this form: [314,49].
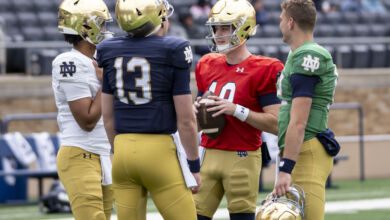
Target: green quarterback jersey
[310,59]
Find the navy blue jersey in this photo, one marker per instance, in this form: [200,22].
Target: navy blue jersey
[144,74]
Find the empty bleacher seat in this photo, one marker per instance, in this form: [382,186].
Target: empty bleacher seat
[44,6]
[273,17]
[361,30]
[52,34]
[383,18]
[326,30]
[27,19]
[367,18]
[10,19]
[271,31]
[344,56]
[332,51]
[379,57]
[344,30]
[333,18]
[6,6]
[23,5]
[350,18]
[33,33]
[378,30]
[272,5]
[283,53]
[361,56]
[270,51]
[48,19]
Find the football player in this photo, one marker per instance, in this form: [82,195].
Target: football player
[83,161]
[306,88]
[146,98]
[245,85]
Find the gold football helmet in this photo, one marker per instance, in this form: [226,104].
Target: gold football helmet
[142,18]
[284,208]
[86,18]
[239,15]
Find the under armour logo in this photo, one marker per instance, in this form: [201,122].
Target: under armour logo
[242,153]
[310,64]
[188,54]
[239,70]
[85,155]
[67,69]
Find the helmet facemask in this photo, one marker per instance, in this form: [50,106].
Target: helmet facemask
[94,29]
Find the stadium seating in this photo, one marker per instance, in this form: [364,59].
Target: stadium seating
[379,57]
[361,56]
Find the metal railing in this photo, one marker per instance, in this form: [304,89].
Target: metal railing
[19,117]
[359,108]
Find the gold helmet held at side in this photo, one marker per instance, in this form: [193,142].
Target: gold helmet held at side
[284,208]
[142,18]
[239,15]
[86,18]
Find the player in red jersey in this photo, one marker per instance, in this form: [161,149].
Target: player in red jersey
[245,85]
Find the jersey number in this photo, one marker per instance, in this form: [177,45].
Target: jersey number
[227,89]
[143,81]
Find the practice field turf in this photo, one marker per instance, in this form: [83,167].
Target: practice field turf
[347,190]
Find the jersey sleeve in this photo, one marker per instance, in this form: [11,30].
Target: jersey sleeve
[309,62]
[74,91]
[268,83]
[181,55]
[70,69]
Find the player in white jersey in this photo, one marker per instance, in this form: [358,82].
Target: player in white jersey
[83,161]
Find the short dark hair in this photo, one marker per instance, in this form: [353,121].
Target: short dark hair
[302,11]
[73,39]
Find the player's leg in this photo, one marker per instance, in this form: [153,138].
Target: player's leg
[81,174]
[108,200]
[241,183]
[130,196]
[311,172]
[161,175]
[211,191]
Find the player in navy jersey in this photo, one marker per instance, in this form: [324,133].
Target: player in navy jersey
[146,98]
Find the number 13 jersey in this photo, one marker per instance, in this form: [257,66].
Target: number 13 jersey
[241,84]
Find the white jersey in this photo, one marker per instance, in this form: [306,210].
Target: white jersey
[74,77]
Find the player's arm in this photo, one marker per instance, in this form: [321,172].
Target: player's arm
[108,117]
[303,92]
[87,111]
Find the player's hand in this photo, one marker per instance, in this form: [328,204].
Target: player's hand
[198,181]
[282,184]
[196,105]
[99,71]
[222,106]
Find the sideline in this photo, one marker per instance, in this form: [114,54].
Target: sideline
[330,207]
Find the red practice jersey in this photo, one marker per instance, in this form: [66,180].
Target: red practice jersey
[241,84]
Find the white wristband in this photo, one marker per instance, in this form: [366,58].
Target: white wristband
[241,112]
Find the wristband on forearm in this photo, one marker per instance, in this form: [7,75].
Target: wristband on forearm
[194,165]
[241,112]
[286,165]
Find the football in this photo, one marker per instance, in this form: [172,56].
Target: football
[211,126]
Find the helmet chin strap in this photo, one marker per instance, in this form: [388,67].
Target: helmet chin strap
[223,48]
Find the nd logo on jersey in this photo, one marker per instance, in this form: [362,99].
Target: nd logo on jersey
[67,69]
[310,64]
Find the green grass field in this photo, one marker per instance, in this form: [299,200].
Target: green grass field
[347,190]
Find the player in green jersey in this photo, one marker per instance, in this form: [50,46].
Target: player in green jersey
[306,87]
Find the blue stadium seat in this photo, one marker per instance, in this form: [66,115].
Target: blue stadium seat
[332,51]
[383,18]
[44,6]
[6,6]
[273,17]
[33,34]
[344,30]
[23,5]
[333,18]
[361,56]
[344,56]
[379,57]
[27,19]
[361,30]
[48,19]
[320,18]
[272,5]
[350,17]
[10,20]
[14,34]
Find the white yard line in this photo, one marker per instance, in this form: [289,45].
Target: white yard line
[330,207]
